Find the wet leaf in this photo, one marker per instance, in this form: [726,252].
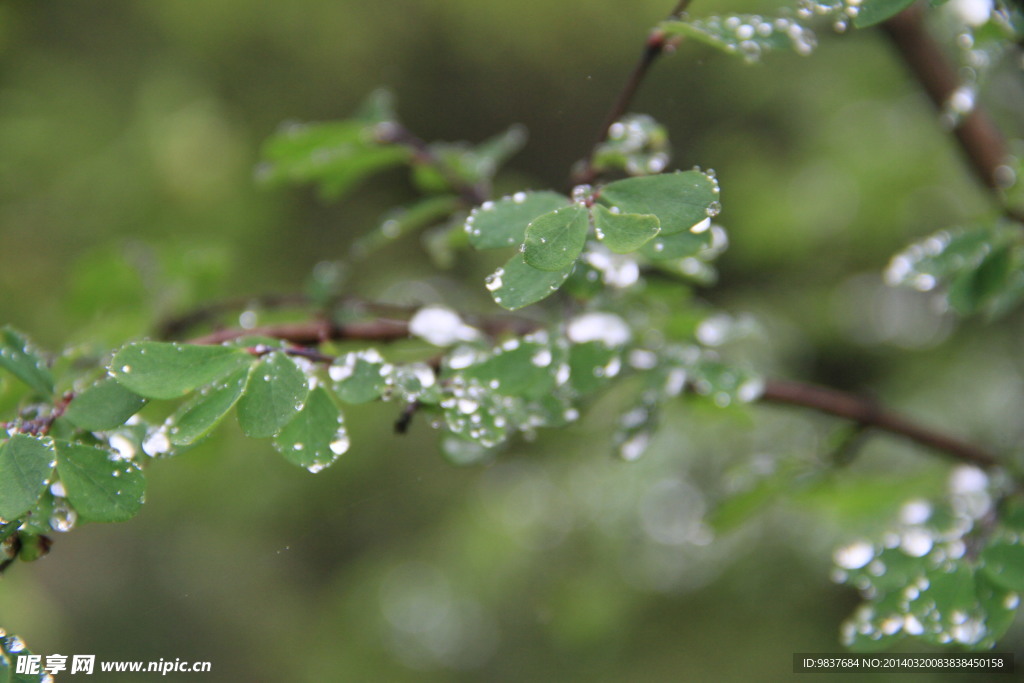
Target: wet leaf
[554,241]
[104,405]
[195,418]
[524,370]
[680,200]
[677,246]
[1003,563]
[19,358]
[277,389]
[973,289]
[405,221]
[317,435]
[26,463]
[503,223]
[748,36]
[636,144]
[871,12]
[624,232]
[102,488]
[357,376]
[169,370]
[517,284]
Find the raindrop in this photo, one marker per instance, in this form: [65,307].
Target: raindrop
[854,555]
[634,447]
[607,328]
[157,443]
[493,281]
[58,490]
[123,448]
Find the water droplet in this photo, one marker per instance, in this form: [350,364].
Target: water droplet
[126,368]
[63,518]
[247,320]
[493,281]
[541,358]
[157,443]
[58,490]
[634,447]
[441,326]
[854,555]
[519,197]
[607,328]
[123,448]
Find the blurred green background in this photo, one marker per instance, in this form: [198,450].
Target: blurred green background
[129,132]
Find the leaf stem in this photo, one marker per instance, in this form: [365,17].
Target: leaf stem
[654,47]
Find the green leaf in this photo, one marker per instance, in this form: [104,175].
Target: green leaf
[681,200]
[26,463]
[677,246]
[18,357]
[335,155]
[636,144]
[1004,565]
[104,405]
[972,289]
[357,376]
[517,284]
[102,488]
[521,368]
[624,232]
[405,221]
[194,419]
[170,370]
[503,223]
[277,390]
[871,12]
[317,435]
[554,241]
[748,36]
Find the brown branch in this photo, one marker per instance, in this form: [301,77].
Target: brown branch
[785,392]
[979,138]
[653,48]
[868,413]
[312,332]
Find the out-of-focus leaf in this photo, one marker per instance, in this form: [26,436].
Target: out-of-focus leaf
[555,240]
[503,223]
[104,405]
[404,221]
[276,391]
[102,488]
[18,357]
[357,376]
[1004,565]
[746,35]
[871,12]
[168,370]
[636,144]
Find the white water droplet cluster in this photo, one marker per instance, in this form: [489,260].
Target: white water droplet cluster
[607,328]
[441,326]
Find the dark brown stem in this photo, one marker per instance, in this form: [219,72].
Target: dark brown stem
[313,332]
[980,140]
[785,392]
[654,47]
[870,414]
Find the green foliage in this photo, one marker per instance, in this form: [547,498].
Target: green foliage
[167,370]
[18,358]
[25,466]
[77,445]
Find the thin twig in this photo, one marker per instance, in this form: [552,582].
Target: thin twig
[979,138]
[786,392]
[869,413]
[653,48]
